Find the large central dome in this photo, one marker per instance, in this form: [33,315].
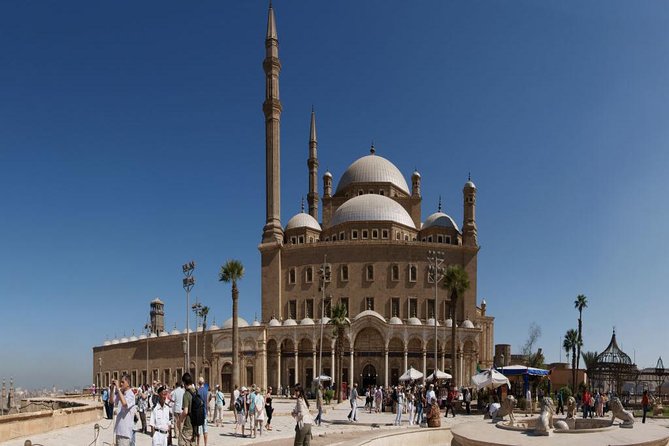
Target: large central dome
[372,169]
[372,207]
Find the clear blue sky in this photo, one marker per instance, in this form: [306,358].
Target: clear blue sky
[132,140]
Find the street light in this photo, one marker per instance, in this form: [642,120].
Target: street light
[188,284]
[197,308]
[147,327]
[184,344]
[325,272]
[436,273]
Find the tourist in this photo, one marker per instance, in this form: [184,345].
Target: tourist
[419,399]
[160,420]
[125,419]
[177,396]
[269,409]
[399,405]
[250,407]
[450,401]
[467,398]
[259,412]
[233,397]
[188,435]
[560,402]
[302,417]
[240,411]
[353,399]
[142,406]
[109,413]
[586,402]
[219,402]
[599,405]
[431,396]
[645,403]
[204,429]
[319,404]
[378,399]
[529,407]
[411,407]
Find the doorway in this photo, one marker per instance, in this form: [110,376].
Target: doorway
[368,376]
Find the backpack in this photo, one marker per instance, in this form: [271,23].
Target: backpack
[239,405]
[196,411]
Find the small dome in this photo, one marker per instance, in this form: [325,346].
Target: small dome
[303,220]
[395,321]
[114,341]
[289,322]
[107,342]
[372,207]
[440,220]
[153,335]
[484,303]
[213,327]
[307,321]
[163,333]
[372,169]
[123,340]
[470,185]
[274,322]
[256,323]
[431,322]
[414,321]
[327,174]
[200,328]
[415,174]
[240,323]
[142,336]
[157,301]
[325,320]
[449,323]
[133,338]
[467,324]
[175,331]
[369,313]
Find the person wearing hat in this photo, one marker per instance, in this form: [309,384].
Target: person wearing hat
[240,411]
[160,420]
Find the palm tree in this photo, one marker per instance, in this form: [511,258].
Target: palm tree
[580,303]
[232,271]
[339,321]
[456,281]
[589,359]
[570,344]
[203,312]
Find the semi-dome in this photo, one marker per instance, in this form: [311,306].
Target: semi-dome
[373,169]
[469,184]
[175,331]
[440,220]
[414,321]
[395,321]
[274,322]
[240,323]
[369,313]
[467,324]
[255,323]
[307,321]
[289,322]
[303,220]
[372,207]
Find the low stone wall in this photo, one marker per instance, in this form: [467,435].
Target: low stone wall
[416,436]
[32,423]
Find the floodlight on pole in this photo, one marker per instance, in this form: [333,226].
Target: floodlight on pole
[188,284]
[436,273]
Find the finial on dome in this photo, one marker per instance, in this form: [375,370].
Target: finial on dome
[439,207]
[372,150]
[302,205]
[469,176]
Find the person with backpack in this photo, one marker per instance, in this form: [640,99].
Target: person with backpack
[203,391]
[192,414]
[240,411]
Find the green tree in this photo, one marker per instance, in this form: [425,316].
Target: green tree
[570,344]
[456,281]
[233,271]
[203,312]
[589,359]
[580,303]
[339,322]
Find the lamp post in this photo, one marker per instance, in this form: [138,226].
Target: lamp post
[436,273]
[99,378]
[184,344]
[197,308]
[325,273]
[147,327]
[188,284]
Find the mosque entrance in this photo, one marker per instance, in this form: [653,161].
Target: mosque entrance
[226,378]
[368,376]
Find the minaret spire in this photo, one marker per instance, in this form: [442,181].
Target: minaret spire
[272,232]
[312,163]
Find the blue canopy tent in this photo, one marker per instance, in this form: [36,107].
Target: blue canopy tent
[526,372]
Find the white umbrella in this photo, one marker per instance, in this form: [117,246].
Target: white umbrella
[411,375]
[490,378]
[440,375]
[323,378]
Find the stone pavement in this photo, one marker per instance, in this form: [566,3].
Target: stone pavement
[335,428]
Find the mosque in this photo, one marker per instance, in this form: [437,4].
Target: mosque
[374,242]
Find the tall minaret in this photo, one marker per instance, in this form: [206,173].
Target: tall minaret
[312,162]
[272,232]
[469,230]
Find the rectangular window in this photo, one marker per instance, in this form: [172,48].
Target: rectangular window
[406,237]
[398,236]
[328,307]
[395,307]
[369,303]
[430,308]
[291,276]
[365,234]
[309,274]
[292,309]
[429,238]
[448,239]
[133,378]
[342,236]
[311,239]
[413,273]
[344,301]
[344,273]
[395,273]
[384,233]
[334,237]
[354,234]
[370,272]
[375,233]
[360,192]
[440,238]
[381,192]
[300,239]
[293,240]
[413,307]
[309,308]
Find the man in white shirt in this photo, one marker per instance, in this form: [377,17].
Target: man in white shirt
[431,395]
[160,420]
[177,397]
[125,420]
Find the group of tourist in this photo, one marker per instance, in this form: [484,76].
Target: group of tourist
[252,406]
